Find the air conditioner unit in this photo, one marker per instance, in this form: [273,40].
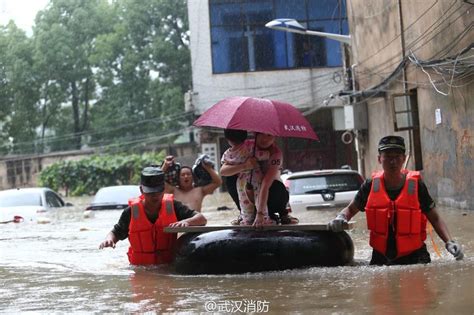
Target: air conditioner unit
[350,117]
[188,101]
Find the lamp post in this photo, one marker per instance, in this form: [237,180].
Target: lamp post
[293,26]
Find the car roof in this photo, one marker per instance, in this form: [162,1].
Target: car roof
[119,187]
[321,173]
[118,194]
[27,189]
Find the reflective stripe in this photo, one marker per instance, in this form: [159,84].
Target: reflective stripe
[376,184]
[411,186]
[169,206]
[135,211]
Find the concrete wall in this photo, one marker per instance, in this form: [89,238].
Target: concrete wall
[23,171]
[431,30]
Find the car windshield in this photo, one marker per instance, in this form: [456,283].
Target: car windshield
[20,198]
[116,195]
[318,184]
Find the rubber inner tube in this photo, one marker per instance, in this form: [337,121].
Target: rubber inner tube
[232,251]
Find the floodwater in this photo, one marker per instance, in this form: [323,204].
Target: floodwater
[58,268]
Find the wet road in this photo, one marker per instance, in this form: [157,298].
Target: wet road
[57,267]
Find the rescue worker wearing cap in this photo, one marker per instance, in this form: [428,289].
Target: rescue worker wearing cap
[146,216]
[397,206]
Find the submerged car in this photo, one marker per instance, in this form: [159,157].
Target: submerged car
[114,197]
[320,189]
[29,204]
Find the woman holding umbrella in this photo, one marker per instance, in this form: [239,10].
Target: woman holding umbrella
[268,119]
[241,159]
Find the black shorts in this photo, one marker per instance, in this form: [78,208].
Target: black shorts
[419,256]
[277,196]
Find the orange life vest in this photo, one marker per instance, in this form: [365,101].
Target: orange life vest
[410,230]
[149,245]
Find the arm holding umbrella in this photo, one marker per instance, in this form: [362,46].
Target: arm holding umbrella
[232,169]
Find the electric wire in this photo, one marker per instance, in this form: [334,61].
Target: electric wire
[53,139]
[389,62]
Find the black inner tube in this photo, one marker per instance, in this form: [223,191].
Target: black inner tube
[232,251]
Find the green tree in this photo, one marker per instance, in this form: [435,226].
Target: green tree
[95,73]
[18,91]
[143,69]
[86,176]
[65,35]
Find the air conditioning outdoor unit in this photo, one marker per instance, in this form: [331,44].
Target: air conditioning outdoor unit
[350,117]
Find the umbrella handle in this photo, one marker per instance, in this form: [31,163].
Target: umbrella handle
[249,183]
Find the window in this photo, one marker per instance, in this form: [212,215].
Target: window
[318,184]
[406,117]
[240,42]
[53,200]
[402,111]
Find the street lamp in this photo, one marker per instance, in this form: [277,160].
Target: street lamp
[292,25]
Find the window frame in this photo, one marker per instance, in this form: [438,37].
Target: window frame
[340,18]
[411,124]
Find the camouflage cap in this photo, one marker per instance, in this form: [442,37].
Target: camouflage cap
[392,143]
[152,180]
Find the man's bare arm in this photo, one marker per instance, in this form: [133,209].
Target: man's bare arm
[216,180]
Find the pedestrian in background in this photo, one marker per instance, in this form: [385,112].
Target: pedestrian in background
[186,191]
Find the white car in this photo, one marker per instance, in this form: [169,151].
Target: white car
[29,204]
[114,197]
[321,189]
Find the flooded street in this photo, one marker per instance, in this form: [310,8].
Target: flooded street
[57,267]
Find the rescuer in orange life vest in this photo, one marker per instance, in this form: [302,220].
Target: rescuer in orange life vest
[397,205]
[143,221]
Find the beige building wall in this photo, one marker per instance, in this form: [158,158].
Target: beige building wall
[24,171]
[429,30]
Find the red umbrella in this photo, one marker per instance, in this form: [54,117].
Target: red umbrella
[257,115]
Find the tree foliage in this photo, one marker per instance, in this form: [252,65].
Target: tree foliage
[18,89]
[94,73]
[86,176]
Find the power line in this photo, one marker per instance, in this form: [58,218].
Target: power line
[396,37]
[52,139]
[450,47]
[410,45]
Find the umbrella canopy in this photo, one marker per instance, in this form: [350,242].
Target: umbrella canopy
[258,115]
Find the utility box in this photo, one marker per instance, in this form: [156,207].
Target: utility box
[350,117]
[188,101]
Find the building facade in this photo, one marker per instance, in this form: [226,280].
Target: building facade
[233,54]
[413,68]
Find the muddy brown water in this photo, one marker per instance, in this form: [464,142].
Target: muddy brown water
[58,268]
